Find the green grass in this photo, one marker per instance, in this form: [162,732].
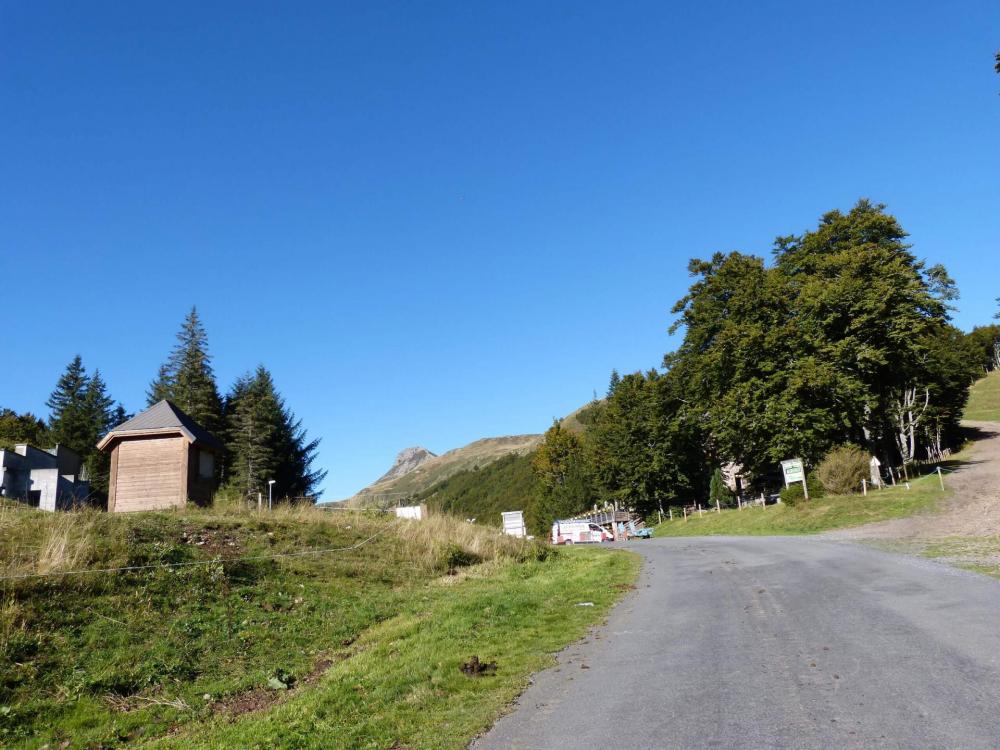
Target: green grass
[368,641]
[984,400]
[822,514]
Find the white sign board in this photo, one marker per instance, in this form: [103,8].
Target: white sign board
[413,512]
[793,471]
[513,523]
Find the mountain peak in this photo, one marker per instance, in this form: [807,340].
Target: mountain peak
[406,461]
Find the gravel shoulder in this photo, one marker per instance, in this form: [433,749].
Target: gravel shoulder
[972,510]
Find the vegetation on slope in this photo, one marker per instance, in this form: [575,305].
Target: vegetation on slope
[484,493]
[812,516]
[469,457]
[984,399]
[232,646]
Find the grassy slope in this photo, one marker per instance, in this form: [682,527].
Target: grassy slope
[831,512]
[125,659]
[984,400]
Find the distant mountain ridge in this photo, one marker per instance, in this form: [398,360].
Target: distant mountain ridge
[407,460]
[415,470]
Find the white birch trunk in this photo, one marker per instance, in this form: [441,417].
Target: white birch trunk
[909,412]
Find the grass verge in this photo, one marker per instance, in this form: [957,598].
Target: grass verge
[354,649]
[823,514]
[984,399]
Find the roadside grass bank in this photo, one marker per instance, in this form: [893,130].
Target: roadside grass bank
[299,628]
[980,554]
[813,516]
[984,400]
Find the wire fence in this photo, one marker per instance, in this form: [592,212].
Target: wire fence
[194,563]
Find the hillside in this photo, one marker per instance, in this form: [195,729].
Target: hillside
[412,474]
[297,628]
[505,484]
[385,492]
[984,400]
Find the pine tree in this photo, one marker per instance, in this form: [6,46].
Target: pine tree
[613,383]
[187,379]
[69,419]
[266,441]
[100,412]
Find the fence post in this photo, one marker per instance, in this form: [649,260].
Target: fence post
[864,487]
[685,513]
[670,511]
[940,478]
[718,508]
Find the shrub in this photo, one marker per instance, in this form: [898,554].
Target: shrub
[843,469]
[794,494]
[718,490]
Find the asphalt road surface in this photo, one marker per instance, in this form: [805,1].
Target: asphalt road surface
[776,643]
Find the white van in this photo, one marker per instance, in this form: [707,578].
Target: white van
[578,532]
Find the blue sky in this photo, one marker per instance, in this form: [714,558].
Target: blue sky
[436,222]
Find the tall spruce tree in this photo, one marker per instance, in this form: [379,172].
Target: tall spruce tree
[70,421]
[82,412]
[265,441]
[187,379]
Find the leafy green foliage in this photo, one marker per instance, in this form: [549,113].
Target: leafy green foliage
[506,484]
[719,493]
[794,493]
[843,469]
[818,349]
[561,467]
[21,428]
[645,446]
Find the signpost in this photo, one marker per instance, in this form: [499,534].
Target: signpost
[795,471]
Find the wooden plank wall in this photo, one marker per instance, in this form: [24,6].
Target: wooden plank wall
[150,474]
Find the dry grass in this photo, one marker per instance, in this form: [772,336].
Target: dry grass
[36,542]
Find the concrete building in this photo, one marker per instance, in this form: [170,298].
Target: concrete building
[160,459]
[53,479]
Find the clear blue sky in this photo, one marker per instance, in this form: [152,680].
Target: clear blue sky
[436,222]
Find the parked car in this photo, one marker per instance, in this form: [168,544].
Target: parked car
[579,532]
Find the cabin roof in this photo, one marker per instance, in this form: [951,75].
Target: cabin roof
[163,416]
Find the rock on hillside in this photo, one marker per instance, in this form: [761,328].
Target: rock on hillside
[407,460]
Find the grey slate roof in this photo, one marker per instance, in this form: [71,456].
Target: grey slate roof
[164,415]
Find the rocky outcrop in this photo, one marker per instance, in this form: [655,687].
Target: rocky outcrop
[407,460]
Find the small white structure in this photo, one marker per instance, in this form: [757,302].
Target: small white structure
[876,471]
[53,479]
[412,512]
[513,523]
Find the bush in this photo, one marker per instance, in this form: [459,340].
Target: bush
[794,494]
[718,491]
[843,469]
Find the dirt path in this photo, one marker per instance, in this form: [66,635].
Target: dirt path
[972,510]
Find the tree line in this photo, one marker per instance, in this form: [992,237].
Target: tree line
[263,438]
[843,338]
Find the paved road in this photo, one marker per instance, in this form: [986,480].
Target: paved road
[776,643]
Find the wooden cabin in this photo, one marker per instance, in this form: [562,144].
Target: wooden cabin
[160,459]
